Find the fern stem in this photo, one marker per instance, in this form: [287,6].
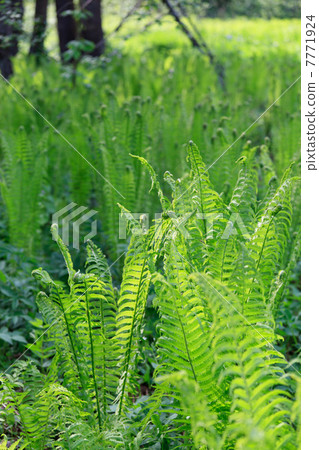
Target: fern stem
[129,346]
[104,357]
[260,255]
[184,334]
[70,334]
[44,435]
[201,196]
[262,248]
[222,268]
[92,356]
[185,340]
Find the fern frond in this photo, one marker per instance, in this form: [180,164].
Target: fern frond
[184,327]
[65,253]
[131,306]
[269,239]
[261,403]
[207,200]
[244,196]
[83,321]
[21,180]
[155,182]
[4,444]
[130,188]
[194,403]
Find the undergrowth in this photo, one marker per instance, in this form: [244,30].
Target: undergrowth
[219,270]
[148,104]
[193,340]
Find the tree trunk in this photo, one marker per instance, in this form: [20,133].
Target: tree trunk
[92,26]
[39,28]
[11,15]
[6,67]
[66,25]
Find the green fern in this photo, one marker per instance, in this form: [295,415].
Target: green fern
[21,180]
[220,381]
[131,306]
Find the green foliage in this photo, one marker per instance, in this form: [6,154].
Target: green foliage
[194,343]
[221,332]
[4,444]
[22,176]
[95,338]
[147,106]
[221,381]
[17,306]
[266,9]
[131,307]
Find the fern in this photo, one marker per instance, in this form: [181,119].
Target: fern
[189,313]
[220,381]
[4,444]
[85,324]
[131,306]
[195,406]
[21,181]
[261,404]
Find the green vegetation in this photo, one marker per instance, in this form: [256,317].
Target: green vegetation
[192,339]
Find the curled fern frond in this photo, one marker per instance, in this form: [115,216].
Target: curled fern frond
[155,182]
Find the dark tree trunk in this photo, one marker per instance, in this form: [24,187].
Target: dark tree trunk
[6,67]
[92,26]
[11,15]
[39,27]
[66,25]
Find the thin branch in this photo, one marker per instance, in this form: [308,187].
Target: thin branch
[184,28]
[128,15]
[196,30]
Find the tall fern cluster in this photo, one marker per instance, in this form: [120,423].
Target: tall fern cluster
[218,266]
[21,179]
[149,106]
